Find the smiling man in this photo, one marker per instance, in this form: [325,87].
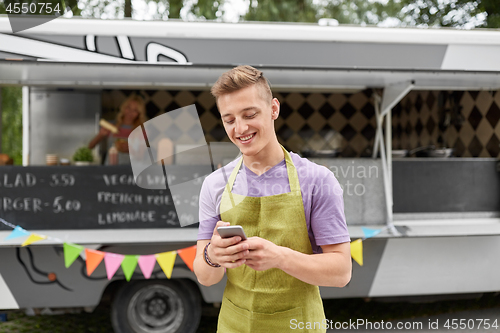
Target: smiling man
[291,209]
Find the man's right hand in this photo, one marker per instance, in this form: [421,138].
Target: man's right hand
[227,252]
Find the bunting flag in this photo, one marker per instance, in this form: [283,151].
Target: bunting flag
[112,262]
[368,232]
[33,238]
[357,251]
[147,264]
[188,254]
[93,259]
[71,252]
[17,232]
[166,261]
[128,265]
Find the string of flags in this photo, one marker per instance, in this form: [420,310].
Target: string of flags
[112,261]
[146,263]
[357,245]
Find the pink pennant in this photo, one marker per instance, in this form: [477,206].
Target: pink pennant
[112,262]
[147,264]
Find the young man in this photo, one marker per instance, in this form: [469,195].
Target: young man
[291,210]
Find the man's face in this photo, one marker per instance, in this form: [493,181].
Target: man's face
[248,119]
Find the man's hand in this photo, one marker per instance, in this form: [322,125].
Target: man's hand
[227,252]
[331,268]
[263,254]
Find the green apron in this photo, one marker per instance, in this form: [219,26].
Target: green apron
[270,300]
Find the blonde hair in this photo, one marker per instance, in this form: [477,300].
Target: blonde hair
[142,118]
[242,77]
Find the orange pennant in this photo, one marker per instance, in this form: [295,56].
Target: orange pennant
[94,258]
[188,254]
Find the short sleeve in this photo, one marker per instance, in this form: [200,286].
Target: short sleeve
[210,197]
[208,215]
[328,221]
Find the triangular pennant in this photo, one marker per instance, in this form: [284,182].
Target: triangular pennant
[370,232]
[33,238]
[147,264]
[128,265]
[166,261]
[112,261]
[357,251]
[17,232]
[71,252]
[188,254]
[93,260]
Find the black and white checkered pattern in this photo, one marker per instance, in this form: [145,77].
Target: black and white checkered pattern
[306,119]
[474,128]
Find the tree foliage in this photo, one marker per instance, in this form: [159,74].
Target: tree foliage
[359,11]
[282,11]
[207,9]
[427,13]
[452,13]
[408,13]
[12,124]
[151,9]
[175,7]
[492,10]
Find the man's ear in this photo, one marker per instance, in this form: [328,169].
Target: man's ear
[275,108]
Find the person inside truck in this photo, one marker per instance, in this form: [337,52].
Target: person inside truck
[291,210]
[132,114]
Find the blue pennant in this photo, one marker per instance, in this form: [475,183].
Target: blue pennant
[17,232]
[370,232]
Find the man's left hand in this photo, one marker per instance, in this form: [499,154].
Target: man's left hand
[263,254]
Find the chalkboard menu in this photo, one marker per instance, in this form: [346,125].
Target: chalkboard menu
[90,197]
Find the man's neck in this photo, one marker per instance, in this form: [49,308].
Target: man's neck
[268,157]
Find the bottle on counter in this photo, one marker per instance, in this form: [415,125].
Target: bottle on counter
[113,156]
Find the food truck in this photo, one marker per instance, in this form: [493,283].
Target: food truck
[407,119]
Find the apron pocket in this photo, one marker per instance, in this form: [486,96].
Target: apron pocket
[283,321]
[233,319]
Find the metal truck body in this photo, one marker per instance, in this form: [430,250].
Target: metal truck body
[439,217]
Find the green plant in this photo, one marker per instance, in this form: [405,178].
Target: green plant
[11,129]
[83,154]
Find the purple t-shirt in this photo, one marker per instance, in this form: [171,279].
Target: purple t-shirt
[321,195]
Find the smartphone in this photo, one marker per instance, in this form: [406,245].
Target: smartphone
[231,231]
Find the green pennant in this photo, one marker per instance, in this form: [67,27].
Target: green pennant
[128,265]
[71,252]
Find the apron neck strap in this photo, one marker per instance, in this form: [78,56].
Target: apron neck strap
[293,178]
